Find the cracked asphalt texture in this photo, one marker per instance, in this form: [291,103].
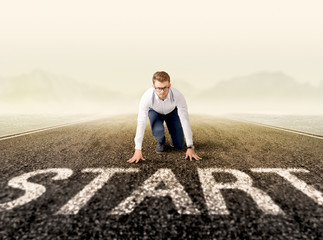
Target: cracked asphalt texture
[108,143]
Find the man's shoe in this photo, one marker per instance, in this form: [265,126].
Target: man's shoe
[171,142]
[160,148]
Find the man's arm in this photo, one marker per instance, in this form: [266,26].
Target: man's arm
[141,126]
[184,118]
[141,122]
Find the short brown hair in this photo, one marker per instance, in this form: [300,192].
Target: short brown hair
[161,77]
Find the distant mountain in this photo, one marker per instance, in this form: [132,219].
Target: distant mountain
[262,86]
[261,92]
[40,89]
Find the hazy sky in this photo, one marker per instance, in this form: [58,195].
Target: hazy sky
[114,42]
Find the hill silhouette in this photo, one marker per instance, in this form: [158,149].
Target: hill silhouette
[41,90]
[262,85]
[265,92]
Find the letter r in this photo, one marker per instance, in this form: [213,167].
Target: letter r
[214,199]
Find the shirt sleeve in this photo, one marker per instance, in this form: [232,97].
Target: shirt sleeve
[141,121]
[183,116]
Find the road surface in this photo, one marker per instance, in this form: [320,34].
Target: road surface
[74,182]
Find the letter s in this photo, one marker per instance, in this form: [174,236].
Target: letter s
[32,190]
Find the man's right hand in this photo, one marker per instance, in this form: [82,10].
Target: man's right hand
[136,157]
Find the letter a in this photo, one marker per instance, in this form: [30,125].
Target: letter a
[174,189]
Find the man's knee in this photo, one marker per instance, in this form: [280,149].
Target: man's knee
[158,129]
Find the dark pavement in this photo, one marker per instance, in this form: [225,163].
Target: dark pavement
[108,143]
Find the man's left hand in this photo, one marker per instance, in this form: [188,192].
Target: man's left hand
[191,153]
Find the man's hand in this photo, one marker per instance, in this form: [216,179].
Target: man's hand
[191,153]
[136,157]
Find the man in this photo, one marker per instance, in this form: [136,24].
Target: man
[163,103]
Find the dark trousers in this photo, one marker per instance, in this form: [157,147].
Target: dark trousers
[173,124]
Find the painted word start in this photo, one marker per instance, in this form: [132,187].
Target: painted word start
[214,200]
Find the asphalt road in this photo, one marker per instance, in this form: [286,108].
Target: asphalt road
[101,196]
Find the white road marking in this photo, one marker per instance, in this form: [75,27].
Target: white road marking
[174,189]
[280,128]
[297,183]
[47,128]
[79,200]
[214,199]
[32,190]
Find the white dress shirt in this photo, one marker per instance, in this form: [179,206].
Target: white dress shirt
[150,100]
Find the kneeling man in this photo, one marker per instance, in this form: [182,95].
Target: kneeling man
[163,103]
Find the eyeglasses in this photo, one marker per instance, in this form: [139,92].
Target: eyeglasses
[160,89]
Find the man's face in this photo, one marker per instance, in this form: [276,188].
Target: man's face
[162,89]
